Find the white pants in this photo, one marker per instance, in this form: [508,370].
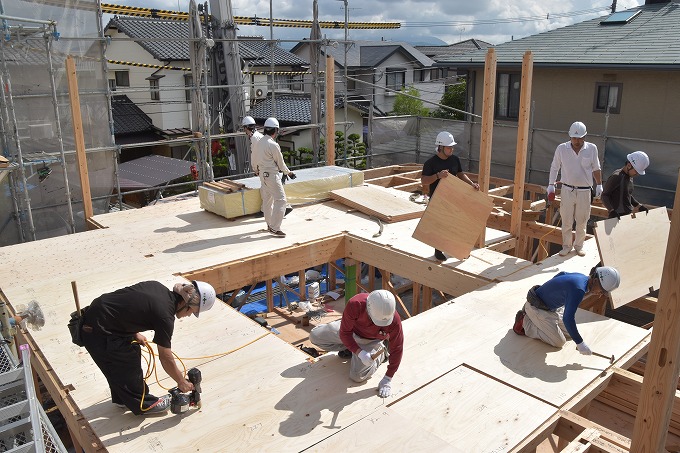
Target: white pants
[327,337]
[575,205]
[273,198]
[544,325]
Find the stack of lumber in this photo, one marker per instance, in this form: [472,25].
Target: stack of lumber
[225,186]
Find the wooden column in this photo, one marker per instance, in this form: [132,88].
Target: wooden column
[415,304]
[371,277]
[302,285]
[269,292]
[427,298]
[330,111]
[522,141]
[663,359]
[77,120]
[350,278]
[331,276]
[487,127]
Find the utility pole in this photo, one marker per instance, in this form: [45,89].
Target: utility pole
[227,71]
[315,100]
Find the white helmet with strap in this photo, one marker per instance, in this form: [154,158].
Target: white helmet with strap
[639,160]
[609,277]
[578,130]
[381,306]
[206,294]
[247,121]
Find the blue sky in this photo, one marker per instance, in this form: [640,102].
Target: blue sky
[494,21]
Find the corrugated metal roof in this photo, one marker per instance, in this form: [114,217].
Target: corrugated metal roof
[153,170]
[177,48]
[652,39]
[459,48]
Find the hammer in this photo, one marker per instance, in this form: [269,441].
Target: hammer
[611,359]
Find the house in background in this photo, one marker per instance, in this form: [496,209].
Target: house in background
[447,72]
[618,73]
[162,94]
[384,66]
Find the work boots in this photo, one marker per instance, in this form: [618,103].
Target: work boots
[518,328]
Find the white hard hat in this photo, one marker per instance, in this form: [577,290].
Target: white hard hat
[248,121]
[609,278]
[444,139]
[206,294]
[271,122]
[381,305]
[578,130]
[639,160]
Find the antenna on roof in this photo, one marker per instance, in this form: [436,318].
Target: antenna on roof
[613,6]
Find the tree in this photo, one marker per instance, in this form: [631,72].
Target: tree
[454,96]
[407,105]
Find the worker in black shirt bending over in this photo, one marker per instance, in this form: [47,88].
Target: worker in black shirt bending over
[617,195]
[111,334]
[440,166]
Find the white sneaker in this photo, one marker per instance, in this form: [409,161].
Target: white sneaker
[580,252]
[565,251]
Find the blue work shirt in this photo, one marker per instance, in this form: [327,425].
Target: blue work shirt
[565,289]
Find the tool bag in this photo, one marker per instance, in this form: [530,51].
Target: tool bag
[75,326]
[536,301]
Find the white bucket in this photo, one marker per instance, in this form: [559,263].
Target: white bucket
[313,291]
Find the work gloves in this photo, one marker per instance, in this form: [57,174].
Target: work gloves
[598,190]
[365,358]
[285,177]
[385,387]
[583,348]
[551,192]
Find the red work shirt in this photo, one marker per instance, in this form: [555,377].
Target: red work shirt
[355,320]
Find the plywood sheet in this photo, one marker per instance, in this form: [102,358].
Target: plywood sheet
[636,246]
[389,205]
[454,218]
[463,406]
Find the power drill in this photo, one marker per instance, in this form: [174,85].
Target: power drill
[181,402]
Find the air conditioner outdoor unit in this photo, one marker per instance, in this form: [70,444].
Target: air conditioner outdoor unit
[259,93]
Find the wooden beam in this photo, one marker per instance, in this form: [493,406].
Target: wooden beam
[330,110]
[387,284]
[242,272]
[663,363]
[487,127]
[647,303]
[503,246]
[414,268]
[522,143]
[77,119]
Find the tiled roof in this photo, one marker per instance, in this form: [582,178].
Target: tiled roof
[153,170]
[292,109]
[128,118]
[368,54]
[177,47]
[436,52]
[651,39]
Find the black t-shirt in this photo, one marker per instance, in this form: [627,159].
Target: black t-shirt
[143,306]
[435,164]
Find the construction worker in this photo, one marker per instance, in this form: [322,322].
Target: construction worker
[111,334]
[617,196]
[440,166]
[267,162]
[578,163]
[368,322]
[548,313]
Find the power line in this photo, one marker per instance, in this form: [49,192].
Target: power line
[508,20]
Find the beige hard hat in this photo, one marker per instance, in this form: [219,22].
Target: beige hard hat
[381,306]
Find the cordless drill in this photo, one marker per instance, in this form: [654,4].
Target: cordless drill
[181,402]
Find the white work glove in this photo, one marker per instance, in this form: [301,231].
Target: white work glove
[385,387]
[598,190]
[583,348]
[551,188]
[365,357]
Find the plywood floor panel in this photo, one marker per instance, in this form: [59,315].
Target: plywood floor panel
[636,247]
[389,205]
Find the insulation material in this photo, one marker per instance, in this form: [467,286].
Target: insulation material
[636,247]
[454,218]
[311,184]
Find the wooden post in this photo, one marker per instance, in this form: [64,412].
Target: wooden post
[415,305]
[371,277]
[487,128]
[330,111]
[663,359]
[522,140]
[269,292]
[77,120]
[302,285]
[427,298]
[331,276]
[350,278]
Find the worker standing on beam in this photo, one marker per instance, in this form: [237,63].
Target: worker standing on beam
[267,162]
[578,163]
[617,196]
[369,332]
[440,166]
[549,312]
[111,334]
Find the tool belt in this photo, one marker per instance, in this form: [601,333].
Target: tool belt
[75,326]
[536,301]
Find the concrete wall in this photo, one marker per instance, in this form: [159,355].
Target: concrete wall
[650,101]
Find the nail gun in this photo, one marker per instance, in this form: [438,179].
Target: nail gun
[182,402]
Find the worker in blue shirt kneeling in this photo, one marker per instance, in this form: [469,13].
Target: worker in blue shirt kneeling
[548,314]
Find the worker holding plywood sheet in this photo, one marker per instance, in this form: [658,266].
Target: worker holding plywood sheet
[550,309]
[439,167]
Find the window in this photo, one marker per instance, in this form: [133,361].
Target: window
[188,83]
[155,90]
[297,83]
[607,95]
[436,74]
[112,84]
[395,79]
[507,96]
[122,78]
[282,82]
